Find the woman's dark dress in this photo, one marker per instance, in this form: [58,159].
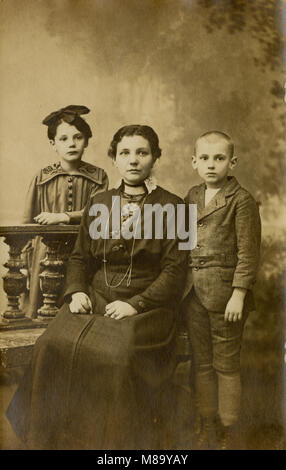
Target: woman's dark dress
[96,382]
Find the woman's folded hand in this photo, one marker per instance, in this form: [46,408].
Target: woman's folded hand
[80,303]
[119,310]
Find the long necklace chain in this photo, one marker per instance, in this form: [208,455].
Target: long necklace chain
[128,272]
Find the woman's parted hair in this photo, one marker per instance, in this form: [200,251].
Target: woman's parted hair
[136,129]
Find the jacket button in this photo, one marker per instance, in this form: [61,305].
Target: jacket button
[70,178]
[202,262]
[141,304]
[196,268]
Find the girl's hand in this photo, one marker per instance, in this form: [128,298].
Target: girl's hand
[51,218]
[80,303]
[119,310]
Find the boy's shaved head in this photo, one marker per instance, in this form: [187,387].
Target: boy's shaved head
[215,136]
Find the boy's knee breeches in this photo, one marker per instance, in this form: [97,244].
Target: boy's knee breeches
[215,343]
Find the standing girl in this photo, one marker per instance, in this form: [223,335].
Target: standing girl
[59,192]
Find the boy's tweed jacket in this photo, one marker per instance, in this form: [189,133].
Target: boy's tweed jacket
[228,244]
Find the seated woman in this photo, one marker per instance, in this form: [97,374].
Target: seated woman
[100,371]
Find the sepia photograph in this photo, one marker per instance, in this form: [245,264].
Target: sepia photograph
[143,227]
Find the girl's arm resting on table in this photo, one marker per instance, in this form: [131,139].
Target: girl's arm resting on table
[52,218]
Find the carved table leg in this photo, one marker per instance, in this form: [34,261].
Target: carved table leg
[14,283]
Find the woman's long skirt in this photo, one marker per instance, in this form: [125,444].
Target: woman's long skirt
[96,382]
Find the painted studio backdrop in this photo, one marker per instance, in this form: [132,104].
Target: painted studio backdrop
[183,67]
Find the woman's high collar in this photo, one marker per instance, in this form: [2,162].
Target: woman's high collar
[148,184]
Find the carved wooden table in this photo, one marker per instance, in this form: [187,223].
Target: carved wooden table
[59,240]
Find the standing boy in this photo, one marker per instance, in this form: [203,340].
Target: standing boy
[218,295]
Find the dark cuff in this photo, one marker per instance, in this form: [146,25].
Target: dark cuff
[243,283]
[72,289]
[138,303]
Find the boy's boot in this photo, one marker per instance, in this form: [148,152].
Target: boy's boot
[207,437]
[225,437]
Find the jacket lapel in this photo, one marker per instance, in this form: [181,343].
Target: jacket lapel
[218,201]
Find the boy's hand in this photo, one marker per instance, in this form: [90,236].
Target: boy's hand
[234,308]
[80,303]
[119,310]
[50,218]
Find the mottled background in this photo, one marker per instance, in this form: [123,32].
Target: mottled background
[183,67]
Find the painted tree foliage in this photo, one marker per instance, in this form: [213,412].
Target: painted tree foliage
[265,22]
